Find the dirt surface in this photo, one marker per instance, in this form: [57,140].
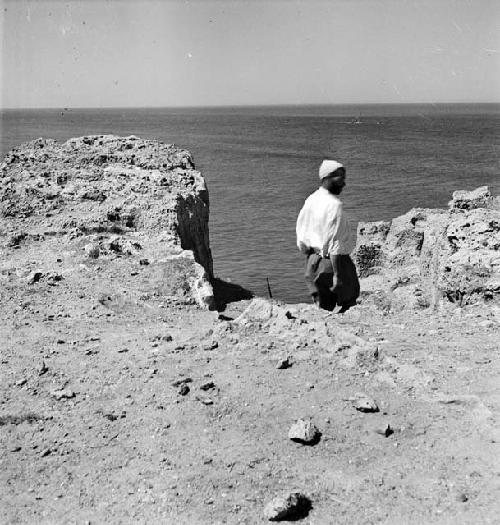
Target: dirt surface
[120,409]
[121,401]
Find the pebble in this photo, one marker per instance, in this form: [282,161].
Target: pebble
[205,400]
[92,250]
[33,277]
[364,403]
[284,363]
[212,345]
[183,390]
[384,429]
[181,381]
[292,506]
[304,431]
[65,393]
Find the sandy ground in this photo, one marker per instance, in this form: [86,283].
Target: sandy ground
[94,427]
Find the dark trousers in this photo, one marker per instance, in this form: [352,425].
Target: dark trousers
[319,279]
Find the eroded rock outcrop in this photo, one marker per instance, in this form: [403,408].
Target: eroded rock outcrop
[430,255]
[117,202]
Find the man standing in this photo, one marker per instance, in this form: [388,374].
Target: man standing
[324,236]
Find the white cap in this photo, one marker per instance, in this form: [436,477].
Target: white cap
[327,167]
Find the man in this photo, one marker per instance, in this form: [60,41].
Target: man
[325,237]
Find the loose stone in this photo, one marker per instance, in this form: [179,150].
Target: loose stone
[183,390]
[65,393]
[92,250]
[384,429]
[205,400]
[284,363]
[364,403]
[182,381]
[305,432]
[292,506]
[34,277]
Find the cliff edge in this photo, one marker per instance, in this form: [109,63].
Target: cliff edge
[121,402]
[109,206]
[433,257]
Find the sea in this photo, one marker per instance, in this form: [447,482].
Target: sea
[261,162]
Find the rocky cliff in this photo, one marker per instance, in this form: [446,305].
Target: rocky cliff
[430,256]
[112,205]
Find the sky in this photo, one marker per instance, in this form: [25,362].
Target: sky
[146,53]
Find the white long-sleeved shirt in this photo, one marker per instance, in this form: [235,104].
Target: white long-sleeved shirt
[323,226]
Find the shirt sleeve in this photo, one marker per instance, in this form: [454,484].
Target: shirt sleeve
[331,246]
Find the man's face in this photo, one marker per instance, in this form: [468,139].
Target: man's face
[335,182]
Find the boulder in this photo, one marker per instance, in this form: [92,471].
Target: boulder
[114,199]
[426,257]
[469,200]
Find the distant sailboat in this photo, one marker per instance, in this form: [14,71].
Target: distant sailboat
[355,120]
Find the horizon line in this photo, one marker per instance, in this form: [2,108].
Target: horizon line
[222,106]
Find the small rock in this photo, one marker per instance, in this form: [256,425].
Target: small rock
[15,449]
[305,432]
[284,363]
[364,403]
[181,381]
[205,400]
[92,250]
[462,497]
[46,452]
[212,345]
[384,430]
[33,277]
[53,278]
[143,262]
[21,382]
[207,386]
[292,506]
[65,393]
[183,390]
